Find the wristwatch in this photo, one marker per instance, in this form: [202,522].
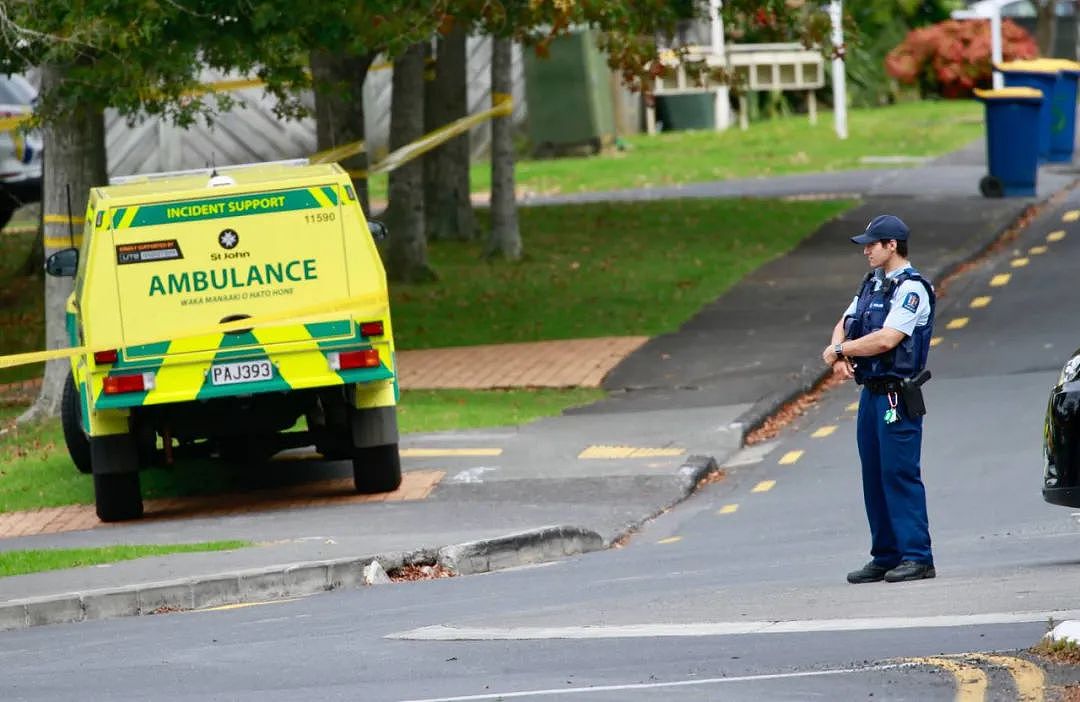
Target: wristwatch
[838,349]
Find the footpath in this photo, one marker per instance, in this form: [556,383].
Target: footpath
[679,407]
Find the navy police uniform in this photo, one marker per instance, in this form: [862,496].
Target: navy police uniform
[889,436]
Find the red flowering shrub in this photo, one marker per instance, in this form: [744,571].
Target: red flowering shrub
[952,58]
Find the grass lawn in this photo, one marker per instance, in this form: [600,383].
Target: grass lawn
[36,561]
[35,470]
[776,147]
[22,324]
[600,270]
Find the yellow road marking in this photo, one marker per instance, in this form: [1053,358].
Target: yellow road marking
[670,540]
[1055,236]
[613,452]
[764,486]
[1071,216]
[935,341]
[447,452]
[825,431]
[970,681]
[958,323]
[1029,678]
[1018,262]
[728,509]
[244,605]
[1000,279]
[981,301]
[852,407]
[790,457]
[1036,250]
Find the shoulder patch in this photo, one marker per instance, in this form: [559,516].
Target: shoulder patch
[911,302]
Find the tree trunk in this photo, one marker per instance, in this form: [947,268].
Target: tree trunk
[447,206]
[407,256]
[75,161]
[339,109]
[1045,27]
[505,239]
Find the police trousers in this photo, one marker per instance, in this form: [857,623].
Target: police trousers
[892,485]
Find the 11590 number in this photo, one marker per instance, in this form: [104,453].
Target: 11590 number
[320,217]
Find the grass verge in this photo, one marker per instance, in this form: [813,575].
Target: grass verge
[611,269]
[776,147]
[35,470]
[37,561]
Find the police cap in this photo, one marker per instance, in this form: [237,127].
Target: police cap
[883,228]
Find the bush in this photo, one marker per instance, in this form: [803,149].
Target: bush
[952,58]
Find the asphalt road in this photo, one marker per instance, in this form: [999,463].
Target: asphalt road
[738,593]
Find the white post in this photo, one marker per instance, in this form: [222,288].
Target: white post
[836,15]
[995,46]
[722,96]
[716,26]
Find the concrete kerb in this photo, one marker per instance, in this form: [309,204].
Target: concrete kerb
[522,548]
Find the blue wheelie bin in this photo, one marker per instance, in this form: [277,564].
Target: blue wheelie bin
[1012,140]
[1042,75]
[1063,111]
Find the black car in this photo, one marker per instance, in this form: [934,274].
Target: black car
[1061,438]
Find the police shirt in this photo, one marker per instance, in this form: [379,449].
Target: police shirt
[910,306]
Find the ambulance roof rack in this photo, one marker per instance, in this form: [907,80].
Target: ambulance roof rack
[207,171]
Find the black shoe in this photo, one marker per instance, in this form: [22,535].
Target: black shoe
[869,573]
[910,570]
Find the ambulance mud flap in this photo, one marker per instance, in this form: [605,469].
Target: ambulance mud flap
[115,463]
[376,426]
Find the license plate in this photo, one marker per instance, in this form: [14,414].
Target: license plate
[243,372]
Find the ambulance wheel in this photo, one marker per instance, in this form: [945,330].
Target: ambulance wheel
[78,445]
[990,186]
[376,469]
[117,496]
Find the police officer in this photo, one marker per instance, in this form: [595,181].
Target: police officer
[882,339]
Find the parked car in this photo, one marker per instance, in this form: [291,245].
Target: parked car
[1061,438]
[20,151]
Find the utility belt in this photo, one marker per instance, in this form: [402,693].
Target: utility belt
[908,388]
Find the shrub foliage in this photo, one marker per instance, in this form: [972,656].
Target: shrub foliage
[952,58]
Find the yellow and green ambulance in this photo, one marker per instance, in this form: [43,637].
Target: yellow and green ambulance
[216,311]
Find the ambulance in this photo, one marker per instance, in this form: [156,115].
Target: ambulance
[233,313]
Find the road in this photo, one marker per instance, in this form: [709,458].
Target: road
[738,593]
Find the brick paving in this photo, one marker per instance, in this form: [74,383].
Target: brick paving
[415,485]
[542,364]
[573,363]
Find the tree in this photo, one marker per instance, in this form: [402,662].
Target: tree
[447,205]
[505,237]
[407,260]
[90,57]
[142,59]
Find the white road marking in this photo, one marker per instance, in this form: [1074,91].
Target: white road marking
[661,685]
[472,475]
[631,631]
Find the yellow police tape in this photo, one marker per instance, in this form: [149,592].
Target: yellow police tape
[503,107]
[296,315]
[338,153]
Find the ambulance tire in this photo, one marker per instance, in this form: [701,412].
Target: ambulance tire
[78,445]
[376,469]
[117,496]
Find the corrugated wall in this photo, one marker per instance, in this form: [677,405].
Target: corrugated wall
[253,133]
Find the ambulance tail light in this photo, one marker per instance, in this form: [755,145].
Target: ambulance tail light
[371,328]
[134,382]
[347,360]
[107,356]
